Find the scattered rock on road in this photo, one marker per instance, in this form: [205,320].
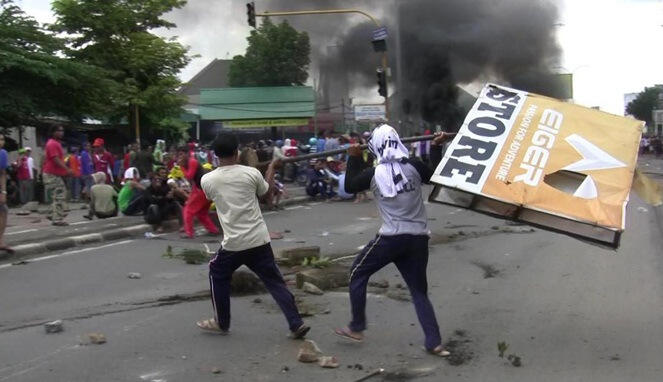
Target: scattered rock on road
[134,275]
[96,338]
[53,326]
[333,276]
[216,370]
[311,288]
[328,362]
[309,352]
[295,256]
[244,282]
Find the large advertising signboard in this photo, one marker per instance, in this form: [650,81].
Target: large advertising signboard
[538,160]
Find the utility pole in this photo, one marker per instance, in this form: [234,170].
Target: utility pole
[329,12]
[137,113]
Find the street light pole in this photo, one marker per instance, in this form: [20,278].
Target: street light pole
[337,11]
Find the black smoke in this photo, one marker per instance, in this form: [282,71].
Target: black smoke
[443,43]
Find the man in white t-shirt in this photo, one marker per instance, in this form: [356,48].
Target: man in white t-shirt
[235,189]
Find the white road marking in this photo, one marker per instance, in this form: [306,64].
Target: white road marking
[24,231]
[315,204]
[68,253]
[294,207]
[268,213]
[77,223]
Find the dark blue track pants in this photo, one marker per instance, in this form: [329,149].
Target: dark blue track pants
[410,255]
[260,260]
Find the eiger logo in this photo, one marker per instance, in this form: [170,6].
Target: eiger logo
[570,179]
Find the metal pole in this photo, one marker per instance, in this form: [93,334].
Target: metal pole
[198,130]
[324,154]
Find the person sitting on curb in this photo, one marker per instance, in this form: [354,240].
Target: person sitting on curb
[131,200]
[103,198]
[235,190]
[161,204]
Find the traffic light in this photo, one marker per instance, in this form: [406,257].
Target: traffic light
[251,13]
[382,82]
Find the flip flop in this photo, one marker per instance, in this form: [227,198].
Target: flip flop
[345,333]
[438,351]
[210,325]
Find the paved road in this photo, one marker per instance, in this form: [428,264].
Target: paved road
[572,311]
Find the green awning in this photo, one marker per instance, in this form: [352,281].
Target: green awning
[281,102]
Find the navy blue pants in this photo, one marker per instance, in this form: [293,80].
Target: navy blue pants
[260,260]
[410,255]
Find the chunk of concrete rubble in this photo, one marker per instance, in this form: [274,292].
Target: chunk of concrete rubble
[245,282]
[295,256]
[309,352]
[134,275]
[96,338]
[53,327]
[31,206]
[216,370]
[328,362]
[333,276]
[399,295]
[311,288]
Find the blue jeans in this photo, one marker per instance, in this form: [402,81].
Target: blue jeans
[410,255]
[74,185]
[260,260]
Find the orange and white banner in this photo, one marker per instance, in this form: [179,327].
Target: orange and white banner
[536,159]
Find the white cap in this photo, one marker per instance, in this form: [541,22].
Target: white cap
[28,148]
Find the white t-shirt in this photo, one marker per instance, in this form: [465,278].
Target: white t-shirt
[233,190]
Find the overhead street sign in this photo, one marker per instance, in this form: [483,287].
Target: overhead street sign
[380,34]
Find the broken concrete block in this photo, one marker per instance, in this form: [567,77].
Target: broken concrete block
[134,275]
[295,256]
[309,352]
[97,338]
[53,326]
[328,362]
[311,288]
[333,276]
[245,282]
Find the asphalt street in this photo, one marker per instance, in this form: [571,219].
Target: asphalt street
[571,311]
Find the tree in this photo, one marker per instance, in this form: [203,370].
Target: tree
[643,105]
[37,80]
[277,55]
[115,35]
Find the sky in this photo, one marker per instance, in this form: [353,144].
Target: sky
[612,47]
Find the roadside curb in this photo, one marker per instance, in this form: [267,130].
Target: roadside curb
[61,243]
[73,241]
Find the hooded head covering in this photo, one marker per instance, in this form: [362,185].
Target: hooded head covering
[287,142]
[386,146]
[99,177]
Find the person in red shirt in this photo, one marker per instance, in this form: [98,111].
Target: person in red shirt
[55,170]
[197,204]
[102,160]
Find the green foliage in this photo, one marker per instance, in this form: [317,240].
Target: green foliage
[115,35]
[277,55]
[643,105]
[38,79]
[316,262]
[502,348]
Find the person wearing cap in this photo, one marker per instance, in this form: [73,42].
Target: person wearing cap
[23,176]
[131,199]
[54,173]
[102,160]
[318,182]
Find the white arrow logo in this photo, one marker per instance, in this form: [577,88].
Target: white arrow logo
[593,158]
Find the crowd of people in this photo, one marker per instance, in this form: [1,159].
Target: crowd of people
[651,144]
